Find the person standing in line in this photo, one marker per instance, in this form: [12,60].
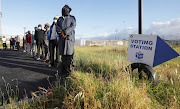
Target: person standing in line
[4,42]
[14,42]
[18,42]
[53,43]
[46,42]
[24,43]
[11,42]
[40,38]
[66,29]
[32,43]
[35,41]
[28,39]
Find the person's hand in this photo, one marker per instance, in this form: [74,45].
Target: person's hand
[63,35]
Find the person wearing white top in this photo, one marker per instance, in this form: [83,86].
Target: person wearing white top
[4,42]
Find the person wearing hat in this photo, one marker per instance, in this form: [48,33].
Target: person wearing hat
[66,30]
[53,43]
[4,42]
[46,41]
[40,43]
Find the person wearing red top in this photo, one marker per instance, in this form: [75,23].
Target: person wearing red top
[28,39]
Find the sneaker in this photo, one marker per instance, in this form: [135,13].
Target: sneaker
[49,65]
[38,59]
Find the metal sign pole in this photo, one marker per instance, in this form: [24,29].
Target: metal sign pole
[141,66]
[140,15]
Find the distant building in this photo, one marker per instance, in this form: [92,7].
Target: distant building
[86,42]
[80,42]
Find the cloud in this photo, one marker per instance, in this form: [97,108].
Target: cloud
[168,30]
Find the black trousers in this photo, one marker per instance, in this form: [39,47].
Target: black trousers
[40,45]
[52,45]
[65,69]
[18,46]
[11,46]
[4,46]
[46,48]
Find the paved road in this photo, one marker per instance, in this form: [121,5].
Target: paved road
[30,73]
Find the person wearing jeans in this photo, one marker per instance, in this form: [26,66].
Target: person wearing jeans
[34,38]
[28,39]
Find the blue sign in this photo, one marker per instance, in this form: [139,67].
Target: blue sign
[163,52]
[149,49]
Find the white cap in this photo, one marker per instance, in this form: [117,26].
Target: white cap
[57,16]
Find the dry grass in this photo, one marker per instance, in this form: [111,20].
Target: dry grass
[102,83]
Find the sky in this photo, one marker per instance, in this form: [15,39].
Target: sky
[95,18]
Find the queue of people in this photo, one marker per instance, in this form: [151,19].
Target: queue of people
[14,42]
[57,38]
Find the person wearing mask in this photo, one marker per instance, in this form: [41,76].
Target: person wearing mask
[65,27]
[28,39]
[18,42]
[46,42]
[4,42]
[53,43]
[40,39]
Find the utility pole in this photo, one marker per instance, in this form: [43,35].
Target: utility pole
[140,16]
[115,37]
[24,31]
[116,34]
[124,29]
[0,20]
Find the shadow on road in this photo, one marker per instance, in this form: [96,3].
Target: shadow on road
[28,73]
